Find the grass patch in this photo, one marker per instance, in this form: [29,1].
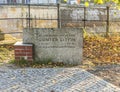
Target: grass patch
[46,63]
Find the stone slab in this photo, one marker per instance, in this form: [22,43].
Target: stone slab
[58,45]
[22,44]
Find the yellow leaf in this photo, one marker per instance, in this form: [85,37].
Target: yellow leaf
[100,2]
[13,78]
[86,4]
[115,1]
[65,0]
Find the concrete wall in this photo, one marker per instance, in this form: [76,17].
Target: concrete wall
[40,12]
[17,25]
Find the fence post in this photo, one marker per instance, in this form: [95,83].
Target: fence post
[58,14]
[29,15]
[107,26]
[84,17]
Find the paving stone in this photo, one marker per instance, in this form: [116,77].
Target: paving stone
[52,79]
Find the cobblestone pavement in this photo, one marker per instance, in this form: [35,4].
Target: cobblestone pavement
[52,80]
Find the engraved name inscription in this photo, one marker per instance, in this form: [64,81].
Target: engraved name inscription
[55,41]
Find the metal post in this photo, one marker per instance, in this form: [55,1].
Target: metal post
[84,17]
[29,14]
[107,25]
[58,14]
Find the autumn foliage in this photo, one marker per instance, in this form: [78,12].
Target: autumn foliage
[101,49]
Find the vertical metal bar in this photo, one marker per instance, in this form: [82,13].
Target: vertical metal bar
[31,21]
[107,25]
[58,14]
[35,22]
[29,14]
[26,20]
[38,24]
[51,21]
[47,19]
[84,17]
[22,15]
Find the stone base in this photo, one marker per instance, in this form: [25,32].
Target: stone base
[57,45]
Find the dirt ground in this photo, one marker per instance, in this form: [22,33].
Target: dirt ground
[108,72]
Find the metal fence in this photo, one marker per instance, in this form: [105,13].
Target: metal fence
[13,18]
[93,19]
